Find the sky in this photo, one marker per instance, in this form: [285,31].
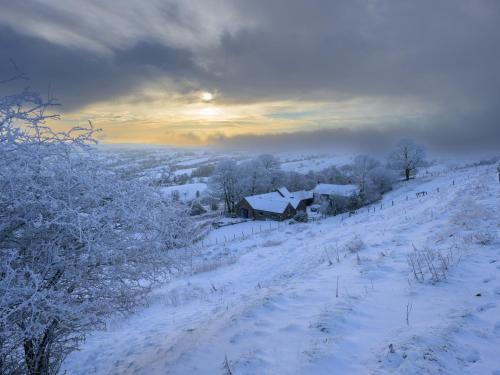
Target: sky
[245,74]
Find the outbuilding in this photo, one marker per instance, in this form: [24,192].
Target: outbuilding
[265,206]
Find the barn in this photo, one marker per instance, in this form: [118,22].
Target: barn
[277,205]
[265,206]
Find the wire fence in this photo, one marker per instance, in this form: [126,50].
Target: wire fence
[259,227]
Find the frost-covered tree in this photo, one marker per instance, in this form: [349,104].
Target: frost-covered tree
[362,167]
[332,175]
[77,244]
[381,179]
[407,157]
[297,181]
[269,162]
[225,183]
[272,165]
[254,178]
[231,181]
[372,178]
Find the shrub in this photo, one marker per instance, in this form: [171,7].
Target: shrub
[197,209]
[354,245]
[301,217]
[214,206]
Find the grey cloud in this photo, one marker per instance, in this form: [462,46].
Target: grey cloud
[473,133]
[354,48]
[444,53]
[77,77]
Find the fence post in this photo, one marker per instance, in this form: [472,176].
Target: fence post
[392,203]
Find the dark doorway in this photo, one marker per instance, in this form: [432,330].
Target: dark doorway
[244,213]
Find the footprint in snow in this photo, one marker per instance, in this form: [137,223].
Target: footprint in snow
[496,328]
[473,356]
[486,306]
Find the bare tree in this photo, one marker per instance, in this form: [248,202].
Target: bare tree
[407,157]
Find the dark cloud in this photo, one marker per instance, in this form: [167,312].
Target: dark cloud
[358,48]
[77,77]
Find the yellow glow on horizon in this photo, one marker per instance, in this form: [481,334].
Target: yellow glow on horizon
[158,116]
[209,112]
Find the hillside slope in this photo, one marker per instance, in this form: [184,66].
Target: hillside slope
[331,296]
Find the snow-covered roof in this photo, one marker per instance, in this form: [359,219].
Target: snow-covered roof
[302,194]
[331,189]
[278,200]
[269,202]
[297,196]
[283,191]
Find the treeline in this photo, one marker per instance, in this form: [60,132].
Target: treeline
[230,181]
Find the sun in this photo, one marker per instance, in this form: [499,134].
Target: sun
[207,96]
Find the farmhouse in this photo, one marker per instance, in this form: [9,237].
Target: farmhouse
[298,199]
[277,205]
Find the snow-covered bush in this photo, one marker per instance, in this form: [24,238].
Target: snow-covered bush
[483,237]
[354,245]
[76,243]
[213,205]
[301,217]
[337,204]
[197,209]
[470,214]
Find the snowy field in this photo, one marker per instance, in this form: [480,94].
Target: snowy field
[186,191]
[306,163]
[333,296]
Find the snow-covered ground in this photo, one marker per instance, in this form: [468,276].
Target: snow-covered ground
[186,191]
[330,296]
[306,163]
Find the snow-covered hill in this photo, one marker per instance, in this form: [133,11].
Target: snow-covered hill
[334,296]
